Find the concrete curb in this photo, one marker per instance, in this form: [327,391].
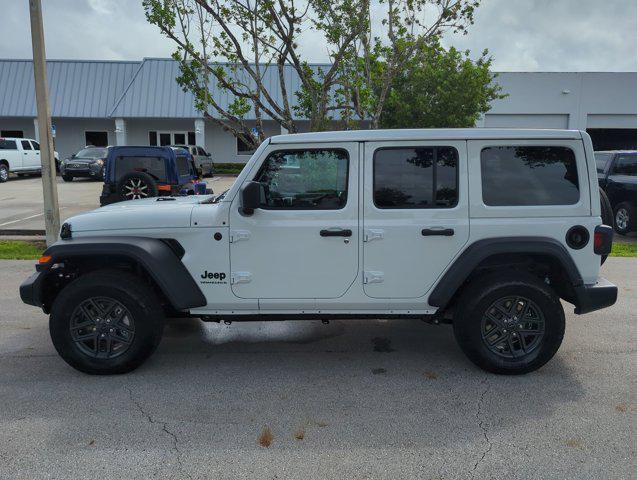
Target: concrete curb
[17,232]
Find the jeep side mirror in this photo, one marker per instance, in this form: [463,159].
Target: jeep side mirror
[250,197]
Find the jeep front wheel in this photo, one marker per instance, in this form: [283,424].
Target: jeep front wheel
[509,322]
[106,322]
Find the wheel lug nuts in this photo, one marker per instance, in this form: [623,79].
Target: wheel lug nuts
[504,331]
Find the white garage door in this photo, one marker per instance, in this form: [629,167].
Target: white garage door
[526,121]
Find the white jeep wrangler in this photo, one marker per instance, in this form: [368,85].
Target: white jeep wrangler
[485,229]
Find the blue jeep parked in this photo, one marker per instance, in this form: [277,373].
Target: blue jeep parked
[132,173]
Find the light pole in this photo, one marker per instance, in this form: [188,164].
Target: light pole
[47,155]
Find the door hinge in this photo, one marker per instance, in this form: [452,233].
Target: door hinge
[238,235]
[373,277]
[373,234]
[240,277]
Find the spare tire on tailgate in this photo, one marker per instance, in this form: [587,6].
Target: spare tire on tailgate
[136,185]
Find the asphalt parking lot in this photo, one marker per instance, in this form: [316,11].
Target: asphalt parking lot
[21,199]
[353,399]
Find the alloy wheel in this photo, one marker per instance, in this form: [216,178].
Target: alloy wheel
[512,327]
[102,327]
[4,173]
[622,218]
[135,188]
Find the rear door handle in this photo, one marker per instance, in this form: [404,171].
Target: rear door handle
[336,233]
[443,232]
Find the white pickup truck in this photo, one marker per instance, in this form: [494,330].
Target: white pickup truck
[21,156]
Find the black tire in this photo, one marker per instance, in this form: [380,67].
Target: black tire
[136,185]
[607,214]
[67,178]
[471,321]
[4,172]
[142,310]
[607,209]
[625,218]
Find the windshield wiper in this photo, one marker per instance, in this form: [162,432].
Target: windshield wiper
[217,198]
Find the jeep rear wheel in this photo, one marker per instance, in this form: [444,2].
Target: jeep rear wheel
[106,322]
[509,322]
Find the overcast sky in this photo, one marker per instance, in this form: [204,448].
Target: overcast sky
[522,35]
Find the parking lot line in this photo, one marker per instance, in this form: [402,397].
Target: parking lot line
[25,218]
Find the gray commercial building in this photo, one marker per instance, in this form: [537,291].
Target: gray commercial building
[140,103]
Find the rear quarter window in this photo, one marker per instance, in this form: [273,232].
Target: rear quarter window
[8,145]
[183,165]
[529,176]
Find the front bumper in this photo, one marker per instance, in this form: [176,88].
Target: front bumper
[31,289]
[589,298]
[91,170]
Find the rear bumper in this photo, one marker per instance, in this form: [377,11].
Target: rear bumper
[589,298]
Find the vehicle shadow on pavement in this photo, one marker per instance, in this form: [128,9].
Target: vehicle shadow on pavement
[373,384]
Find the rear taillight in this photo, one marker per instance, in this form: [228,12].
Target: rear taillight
[603,240]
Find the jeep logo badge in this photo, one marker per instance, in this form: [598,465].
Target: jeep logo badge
[213,277]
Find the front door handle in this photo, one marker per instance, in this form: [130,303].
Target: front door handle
[336,233]
[443,232]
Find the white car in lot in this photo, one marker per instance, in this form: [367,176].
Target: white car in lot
[21,156]
[485,229]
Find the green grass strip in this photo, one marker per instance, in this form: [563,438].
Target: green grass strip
[20,250]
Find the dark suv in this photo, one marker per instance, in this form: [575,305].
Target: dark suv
[617,175]
[88,162]
[133,173]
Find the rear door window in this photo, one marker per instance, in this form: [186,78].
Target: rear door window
[154,166]
[26,145]
[416,177]
[529,175]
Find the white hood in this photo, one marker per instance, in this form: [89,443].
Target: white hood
[158,212]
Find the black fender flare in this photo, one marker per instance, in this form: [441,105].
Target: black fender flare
[160,258]
[474,254]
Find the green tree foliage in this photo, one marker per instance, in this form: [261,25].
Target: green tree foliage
[441,88]
[240,46]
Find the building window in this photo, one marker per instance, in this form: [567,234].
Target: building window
[171,138]
[96,139]
[243,148]
[12,133]
[520,176]
[416,177]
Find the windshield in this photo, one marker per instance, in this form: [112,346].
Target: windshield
[601,159]
[91,153]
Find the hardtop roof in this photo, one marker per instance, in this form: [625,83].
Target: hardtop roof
[428,134]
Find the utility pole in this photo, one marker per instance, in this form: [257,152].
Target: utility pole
[47,155]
